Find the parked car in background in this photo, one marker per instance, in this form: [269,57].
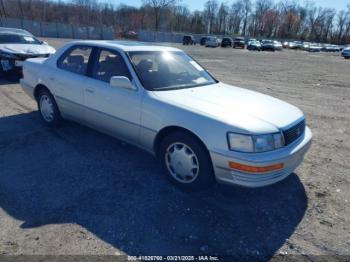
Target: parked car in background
[346,53]
[295,45]
[270,45]
[212,41]
[239,42]
[17,45]
[161,100]
[336,48]
[342,47]
[278,45]
[188,40]
[331,48]
[203,40]
[129,35]
[285,44]
[254,45]
[226,41]
[305,46]
[267,45]
[313,47]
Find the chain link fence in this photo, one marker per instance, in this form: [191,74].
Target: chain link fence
[170,37]
[59,30]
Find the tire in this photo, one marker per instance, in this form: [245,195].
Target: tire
[190,155]
[48,109]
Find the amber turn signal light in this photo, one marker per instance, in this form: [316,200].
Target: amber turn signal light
[255,169]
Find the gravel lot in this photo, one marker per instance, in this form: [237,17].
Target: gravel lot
[76,191]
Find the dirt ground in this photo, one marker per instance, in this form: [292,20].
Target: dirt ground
[76,191]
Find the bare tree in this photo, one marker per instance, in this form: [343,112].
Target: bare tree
[247,8]
[222,18]
[3,10]
[158,6]
[210,12]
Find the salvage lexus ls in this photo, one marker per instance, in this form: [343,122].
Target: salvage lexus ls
[166,103]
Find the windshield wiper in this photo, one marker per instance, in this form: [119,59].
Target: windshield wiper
[174,87]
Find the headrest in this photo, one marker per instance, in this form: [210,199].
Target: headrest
[145,65]
[76,59]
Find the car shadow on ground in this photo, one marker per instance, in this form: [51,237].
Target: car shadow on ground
[9,80]
[76,175]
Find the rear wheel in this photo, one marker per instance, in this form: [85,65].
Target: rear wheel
[186,162]
[48,108]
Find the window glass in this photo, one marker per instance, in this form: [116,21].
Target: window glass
[18,39]
[110,64]
[168,70]
[76,61]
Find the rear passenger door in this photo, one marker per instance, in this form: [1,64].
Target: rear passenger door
[70,80]
[112,109]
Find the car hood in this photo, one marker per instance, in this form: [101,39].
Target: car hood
[246,110]
[27,49]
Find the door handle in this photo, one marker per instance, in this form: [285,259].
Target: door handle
[89,90]
[52,78]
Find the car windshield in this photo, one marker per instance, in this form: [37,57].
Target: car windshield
[163,70]
[18,39]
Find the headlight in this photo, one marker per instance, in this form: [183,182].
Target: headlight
[7,55]
[255,143]
[242,143]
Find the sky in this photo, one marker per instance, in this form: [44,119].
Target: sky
[198,4]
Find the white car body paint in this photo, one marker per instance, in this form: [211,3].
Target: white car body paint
[209,112]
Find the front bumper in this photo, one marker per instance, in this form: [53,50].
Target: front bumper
[9,65]
[15,65]
[291,156]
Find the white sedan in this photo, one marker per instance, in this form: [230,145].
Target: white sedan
[161,100]
[17,45]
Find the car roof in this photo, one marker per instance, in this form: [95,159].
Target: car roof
[126,45]
[8,30]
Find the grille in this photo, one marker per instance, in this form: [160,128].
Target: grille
[293,133]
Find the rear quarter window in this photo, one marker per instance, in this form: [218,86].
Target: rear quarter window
[75,59]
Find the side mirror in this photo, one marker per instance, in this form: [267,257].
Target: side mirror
[121,82]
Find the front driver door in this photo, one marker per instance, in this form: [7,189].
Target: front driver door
[114,110]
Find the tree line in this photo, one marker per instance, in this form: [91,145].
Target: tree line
[284,19]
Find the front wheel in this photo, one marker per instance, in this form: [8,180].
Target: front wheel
[48,108]
[186,162]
